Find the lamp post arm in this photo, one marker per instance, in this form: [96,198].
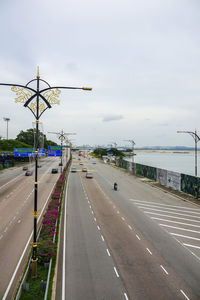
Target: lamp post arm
[66,87]
[19,85]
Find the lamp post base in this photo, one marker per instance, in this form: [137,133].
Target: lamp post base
[34,268]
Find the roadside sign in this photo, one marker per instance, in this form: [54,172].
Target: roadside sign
[28,152]
[54,151]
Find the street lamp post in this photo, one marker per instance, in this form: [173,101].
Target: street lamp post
[44,98]
[62,136]
[7,120]
[196,140]
[132,144]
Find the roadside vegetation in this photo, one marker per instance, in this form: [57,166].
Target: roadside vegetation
[25,139]
[47,244]
[99,152]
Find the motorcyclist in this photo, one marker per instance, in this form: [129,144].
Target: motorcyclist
[115,186]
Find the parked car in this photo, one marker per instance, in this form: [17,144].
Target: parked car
[89,175]
[28,173]
[54,171]
[73,169]
[24,168]
[84,169]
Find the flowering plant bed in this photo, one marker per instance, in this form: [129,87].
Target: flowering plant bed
[47,247]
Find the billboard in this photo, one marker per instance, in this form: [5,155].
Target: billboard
[54,151]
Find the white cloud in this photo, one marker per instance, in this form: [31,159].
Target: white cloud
[142,59]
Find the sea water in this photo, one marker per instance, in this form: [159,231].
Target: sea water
[181,162]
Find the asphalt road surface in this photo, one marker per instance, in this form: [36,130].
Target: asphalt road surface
[139,242]
[16,218]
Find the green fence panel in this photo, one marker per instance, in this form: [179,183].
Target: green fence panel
[146,171]
[188,183]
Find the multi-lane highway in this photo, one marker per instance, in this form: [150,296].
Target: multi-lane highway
[16,218]
[135,243]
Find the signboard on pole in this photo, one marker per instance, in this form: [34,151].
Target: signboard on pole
[54,151]
[28,152]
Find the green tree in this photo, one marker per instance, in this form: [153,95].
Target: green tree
[102,151]
[28,137]
[9,145]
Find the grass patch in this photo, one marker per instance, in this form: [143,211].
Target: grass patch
[35,292]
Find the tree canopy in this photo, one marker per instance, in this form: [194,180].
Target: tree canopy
[28,137]
[103,151]
[9,145]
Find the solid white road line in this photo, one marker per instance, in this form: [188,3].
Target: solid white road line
[192,246]
[167,205]
[64,240]
[172,217]
[174,213]
[151,207]
[179,228]
[27,244]
[11,181]
[184,295]
[176,222]
[125,295]
[185,236]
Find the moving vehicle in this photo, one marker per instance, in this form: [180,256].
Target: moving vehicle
[73,169]
[24,168]
[28,173]
[115,186]
[89,175]
[54,171]
[84,169]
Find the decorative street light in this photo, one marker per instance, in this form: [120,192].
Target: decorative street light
[133,144]
[62,136]
[37,100]
[7,120]
[196,140]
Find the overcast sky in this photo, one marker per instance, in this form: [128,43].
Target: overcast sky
[141,57]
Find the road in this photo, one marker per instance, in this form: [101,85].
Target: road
[16,218]
[137,243]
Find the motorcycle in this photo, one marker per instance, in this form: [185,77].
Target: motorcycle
[115,186]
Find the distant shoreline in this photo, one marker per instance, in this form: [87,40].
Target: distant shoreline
[166,151]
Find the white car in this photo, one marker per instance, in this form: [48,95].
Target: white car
[89,175]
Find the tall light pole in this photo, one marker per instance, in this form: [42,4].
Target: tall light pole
[62,136]
[196,140]
[7,120]
[132,147]
[37,100]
